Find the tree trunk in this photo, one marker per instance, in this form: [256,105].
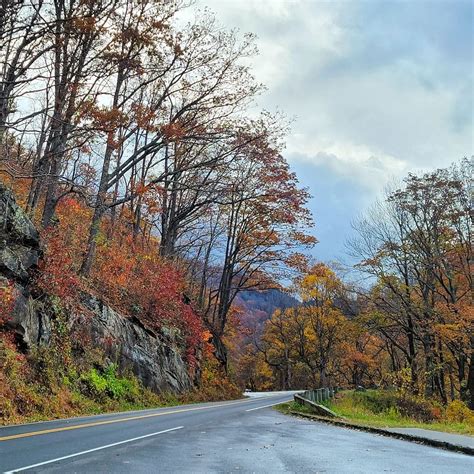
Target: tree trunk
[470,378]
[220,350]
[99,211]
[429,366]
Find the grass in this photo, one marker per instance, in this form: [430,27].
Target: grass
[39,387]
[71,377]
[354,408]
[71,403]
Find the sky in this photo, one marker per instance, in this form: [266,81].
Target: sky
[376,89]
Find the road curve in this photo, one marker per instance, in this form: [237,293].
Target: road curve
[236,436]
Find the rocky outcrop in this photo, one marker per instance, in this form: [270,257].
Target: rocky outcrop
[19,240]
[19,255]
[153,358]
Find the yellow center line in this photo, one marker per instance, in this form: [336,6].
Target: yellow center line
[108,422]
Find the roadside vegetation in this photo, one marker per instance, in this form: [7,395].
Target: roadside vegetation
[41,387]
[152,182]
[71,377]
[158,189]
[390,409]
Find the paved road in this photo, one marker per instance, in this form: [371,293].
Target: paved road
[456,439]
[238,436]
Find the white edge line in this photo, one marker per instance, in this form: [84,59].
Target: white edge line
[90,450]
[265,406]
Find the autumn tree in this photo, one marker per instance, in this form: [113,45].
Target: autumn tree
[191,86]
[307,344]
[418,245]
[138,124]
[259,233]
[77,38]
[24,27]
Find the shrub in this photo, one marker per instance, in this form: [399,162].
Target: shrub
[376,401]
[416,408]
[395,403]
[459,412]
[108,384]
[95,384]
[215,384]
[18,396]
[121,387]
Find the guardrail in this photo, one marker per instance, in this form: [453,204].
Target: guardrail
[319,395]
[313,400]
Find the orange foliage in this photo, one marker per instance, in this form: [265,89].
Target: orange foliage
[215,384]
[7,300]
[172,131]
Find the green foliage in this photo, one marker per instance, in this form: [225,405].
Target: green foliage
[376,402]
[107,383]
[395,408]
[294,407]
[95,383]
[395,403]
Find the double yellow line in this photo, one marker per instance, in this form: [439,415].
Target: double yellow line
[109,422]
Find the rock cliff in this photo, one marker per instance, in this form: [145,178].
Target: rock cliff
[153,358]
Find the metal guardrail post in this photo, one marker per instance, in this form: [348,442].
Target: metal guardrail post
[319,395]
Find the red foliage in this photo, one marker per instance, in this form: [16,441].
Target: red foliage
[128,274]
[193,330]
[142,284]
[57,276]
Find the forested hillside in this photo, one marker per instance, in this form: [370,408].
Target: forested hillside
[150,221]
[409,326]
[130,138]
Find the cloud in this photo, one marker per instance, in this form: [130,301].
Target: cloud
[378,89]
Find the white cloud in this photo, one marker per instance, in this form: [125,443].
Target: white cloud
[378,89]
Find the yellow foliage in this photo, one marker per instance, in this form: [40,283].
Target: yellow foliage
[458,412]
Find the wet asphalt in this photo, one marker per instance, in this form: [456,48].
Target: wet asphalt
[241,436]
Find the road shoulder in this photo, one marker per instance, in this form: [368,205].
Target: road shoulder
[457,443]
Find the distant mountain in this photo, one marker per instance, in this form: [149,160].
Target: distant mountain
[258,306]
